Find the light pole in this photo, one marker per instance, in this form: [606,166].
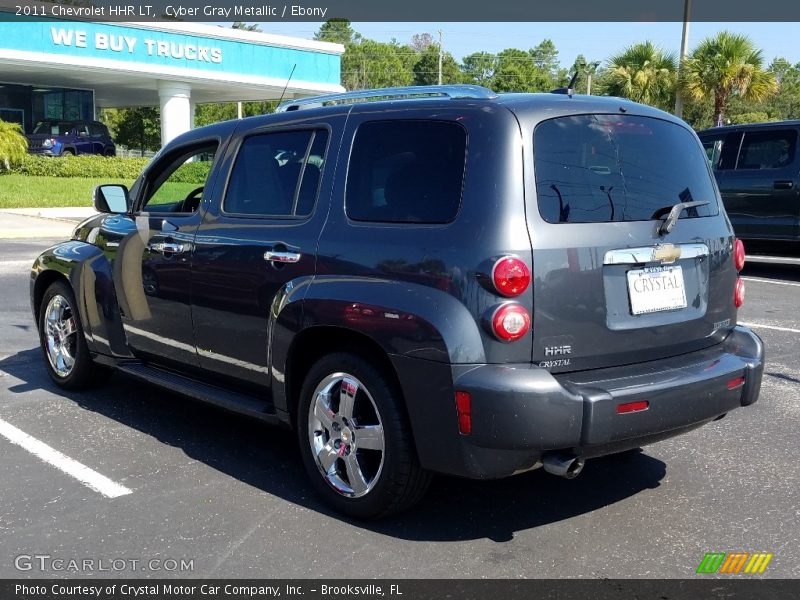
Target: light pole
[590,70]
[440,56]
[684,51]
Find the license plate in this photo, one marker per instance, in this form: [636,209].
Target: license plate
[655,289]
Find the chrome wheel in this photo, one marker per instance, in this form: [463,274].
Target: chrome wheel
[61,335]
[346,435]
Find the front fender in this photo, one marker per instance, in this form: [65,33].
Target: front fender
[88,271]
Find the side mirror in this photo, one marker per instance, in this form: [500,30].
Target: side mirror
[111,198]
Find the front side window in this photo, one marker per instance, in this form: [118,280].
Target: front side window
[602,168]
[277,174]
[767,149]
[406,172]
[721,149]
[177,183]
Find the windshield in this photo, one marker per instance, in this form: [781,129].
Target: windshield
[600,168]
[53,127]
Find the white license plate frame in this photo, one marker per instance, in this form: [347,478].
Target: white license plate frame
[656,289]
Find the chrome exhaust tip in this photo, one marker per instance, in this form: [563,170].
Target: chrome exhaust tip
[568,466]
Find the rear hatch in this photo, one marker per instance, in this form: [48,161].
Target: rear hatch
[611,285]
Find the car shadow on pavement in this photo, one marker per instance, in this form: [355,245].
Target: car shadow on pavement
[778,271]
[267,458]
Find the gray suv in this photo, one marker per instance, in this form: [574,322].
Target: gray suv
[418,280]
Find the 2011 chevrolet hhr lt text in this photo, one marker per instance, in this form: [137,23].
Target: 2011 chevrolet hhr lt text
[418,280]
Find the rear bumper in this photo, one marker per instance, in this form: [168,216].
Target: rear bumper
[521,412]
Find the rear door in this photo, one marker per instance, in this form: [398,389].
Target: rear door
[98,135]
[83,139]
[610,289]
[761,193]
[258,244]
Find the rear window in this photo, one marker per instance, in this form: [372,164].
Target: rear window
[601,168]
[406,172]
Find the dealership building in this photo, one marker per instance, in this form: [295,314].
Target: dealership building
[57,69]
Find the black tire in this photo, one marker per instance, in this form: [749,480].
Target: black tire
[84,372]
[68,152]
[400,481]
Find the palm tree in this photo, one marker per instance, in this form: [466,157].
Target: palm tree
[13,145]
[643,73]
[724,65]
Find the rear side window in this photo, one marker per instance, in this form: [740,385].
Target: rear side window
[406,172]
[767,149]
[601,168]
[97,130]
[277,174]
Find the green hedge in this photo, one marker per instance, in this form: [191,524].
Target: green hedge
[81,166]
[104,168]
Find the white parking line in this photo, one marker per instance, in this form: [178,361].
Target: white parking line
[88,477]
[757,325]
[775,259]
[13,266]
[771,281]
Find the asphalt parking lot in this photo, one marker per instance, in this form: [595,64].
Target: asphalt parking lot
[228,497]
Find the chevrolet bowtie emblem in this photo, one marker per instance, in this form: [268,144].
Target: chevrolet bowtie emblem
[666,253]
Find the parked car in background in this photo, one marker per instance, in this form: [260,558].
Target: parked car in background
[757,168]
[59,137]
[418,280]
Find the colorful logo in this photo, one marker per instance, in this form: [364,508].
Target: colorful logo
[735,562]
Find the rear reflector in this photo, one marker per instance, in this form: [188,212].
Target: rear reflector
[738,293]
[630,407]
[464,408]
[735,383]
[511,322]
[738,255]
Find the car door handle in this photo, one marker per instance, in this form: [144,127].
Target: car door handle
[282,256]
[169,247]
[783,184]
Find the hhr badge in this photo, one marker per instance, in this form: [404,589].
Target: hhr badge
[558,350]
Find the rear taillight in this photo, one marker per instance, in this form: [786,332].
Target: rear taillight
[738,293]
[511,276]
[738,255]
[464,410]
[510,322]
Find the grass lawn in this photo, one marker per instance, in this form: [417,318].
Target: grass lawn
[24,191]
[27,191]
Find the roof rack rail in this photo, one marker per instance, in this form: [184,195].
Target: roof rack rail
[393,93]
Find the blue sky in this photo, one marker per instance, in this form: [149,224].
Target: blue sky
[596,41]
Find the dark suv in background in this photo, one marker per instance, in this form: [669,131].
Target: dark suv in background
[758,173]
[59,137]
[418,280]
